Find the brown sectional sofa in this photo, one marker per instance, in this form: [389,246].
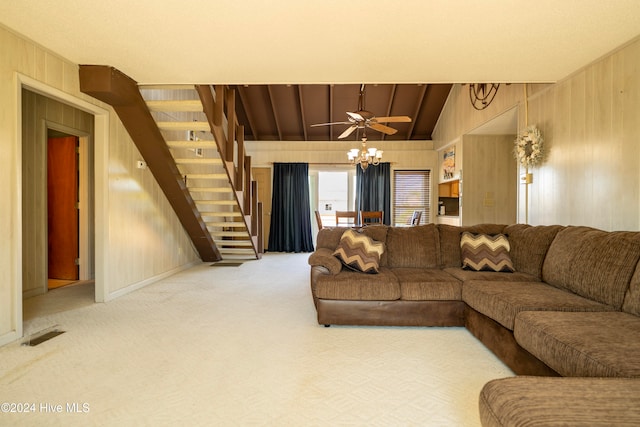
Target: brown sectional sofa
[571,308]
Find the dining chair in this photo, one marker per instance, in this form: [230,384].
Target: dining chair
[319,220]
[351,217]
[371,217]
[415,218]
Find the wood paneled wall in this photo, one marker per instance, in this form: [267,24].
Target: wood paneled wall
[140,237]
[402,154]
[591,125]
[489,182]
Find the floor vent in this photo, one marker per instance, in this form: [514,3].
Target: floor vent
[227,264]
[42,336]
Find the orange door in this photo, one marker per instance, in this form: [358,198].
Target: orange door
[62,196]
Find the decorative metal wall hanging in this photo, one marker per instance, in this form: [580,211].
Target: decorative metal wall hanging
[481,94]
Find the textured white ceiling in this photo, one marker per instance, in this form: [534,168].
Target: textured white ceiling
[329,41]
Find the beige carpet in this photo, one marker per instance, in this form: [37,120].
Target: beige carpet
[237,346]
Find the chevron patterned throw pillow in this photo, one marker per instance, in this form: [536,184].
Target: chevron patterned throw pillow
[485,252]
[359,252]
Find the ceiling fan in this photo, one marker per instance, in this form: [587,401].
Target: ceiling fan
[363,119]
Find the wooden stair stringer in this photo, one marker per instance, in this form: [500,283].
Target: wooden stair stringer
[114,88]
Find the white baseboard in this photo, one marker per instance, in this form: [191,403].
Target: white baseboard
[150,280]
[9,337]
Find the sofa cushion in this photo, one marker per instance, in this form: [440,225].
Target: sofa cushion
[359,252]
[414,247]
[424,284]
[593,263]
[329,237]
[352,285]
[324,257]
[449,245]
[604,344]
[485,252]
[465,275]
[501,301]
[449,239]
[632,297]
[544,401]
[529,246]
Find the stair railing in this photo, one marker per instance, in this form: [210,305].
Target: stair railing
[218,105]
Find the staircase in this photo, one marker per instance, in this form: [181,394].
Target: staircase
[179,114]
[195,134]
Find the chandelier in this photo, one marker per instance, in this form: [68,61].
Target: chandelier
[364,156]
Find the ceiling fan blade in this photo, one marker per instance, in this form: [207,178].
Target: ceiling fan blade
[355,116]
[382,128]
[330,124]
[392,119]
[348,132]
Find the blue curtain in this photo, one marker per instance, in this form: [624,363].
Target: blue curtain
[373,189]
[290,209]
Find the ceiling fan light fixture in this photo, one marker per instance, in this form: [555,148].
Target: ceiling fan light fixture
[363,119]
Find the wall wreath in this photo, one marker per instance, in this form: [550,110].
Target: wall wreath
[529,147]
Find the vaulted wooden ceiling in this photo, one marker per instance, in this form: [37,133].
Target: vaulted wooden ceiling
[286,112]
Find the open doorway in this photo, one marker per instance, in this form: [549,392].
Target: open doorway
[331,189]
[57,205]
[29,231]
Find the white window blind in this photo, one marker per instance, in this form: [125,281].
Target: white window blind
[411,192]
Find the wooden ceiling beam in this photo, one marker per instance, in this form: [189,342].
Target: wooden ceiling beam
[412,126]
[331,96]
[274,113]
[387,113]
[302,113]
[391,100]
[248,111]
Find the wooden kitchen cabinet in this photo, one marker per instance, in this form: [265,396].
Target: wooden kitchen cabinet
[455,188]
[449,189]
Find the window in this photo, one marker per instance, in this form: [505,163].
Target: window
[334,191]
[411,192]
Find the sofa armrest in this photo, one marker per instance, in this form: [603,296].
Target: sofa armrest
[323,257]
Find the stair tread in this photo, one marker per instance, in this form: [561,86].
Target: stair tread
[207,176]
[175,105]
[210,189]
[195,126]
[166,87]
[219,213]
[198,161]
[229,233]
[192,144]
[225,224]
[216,202]
[233,242]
